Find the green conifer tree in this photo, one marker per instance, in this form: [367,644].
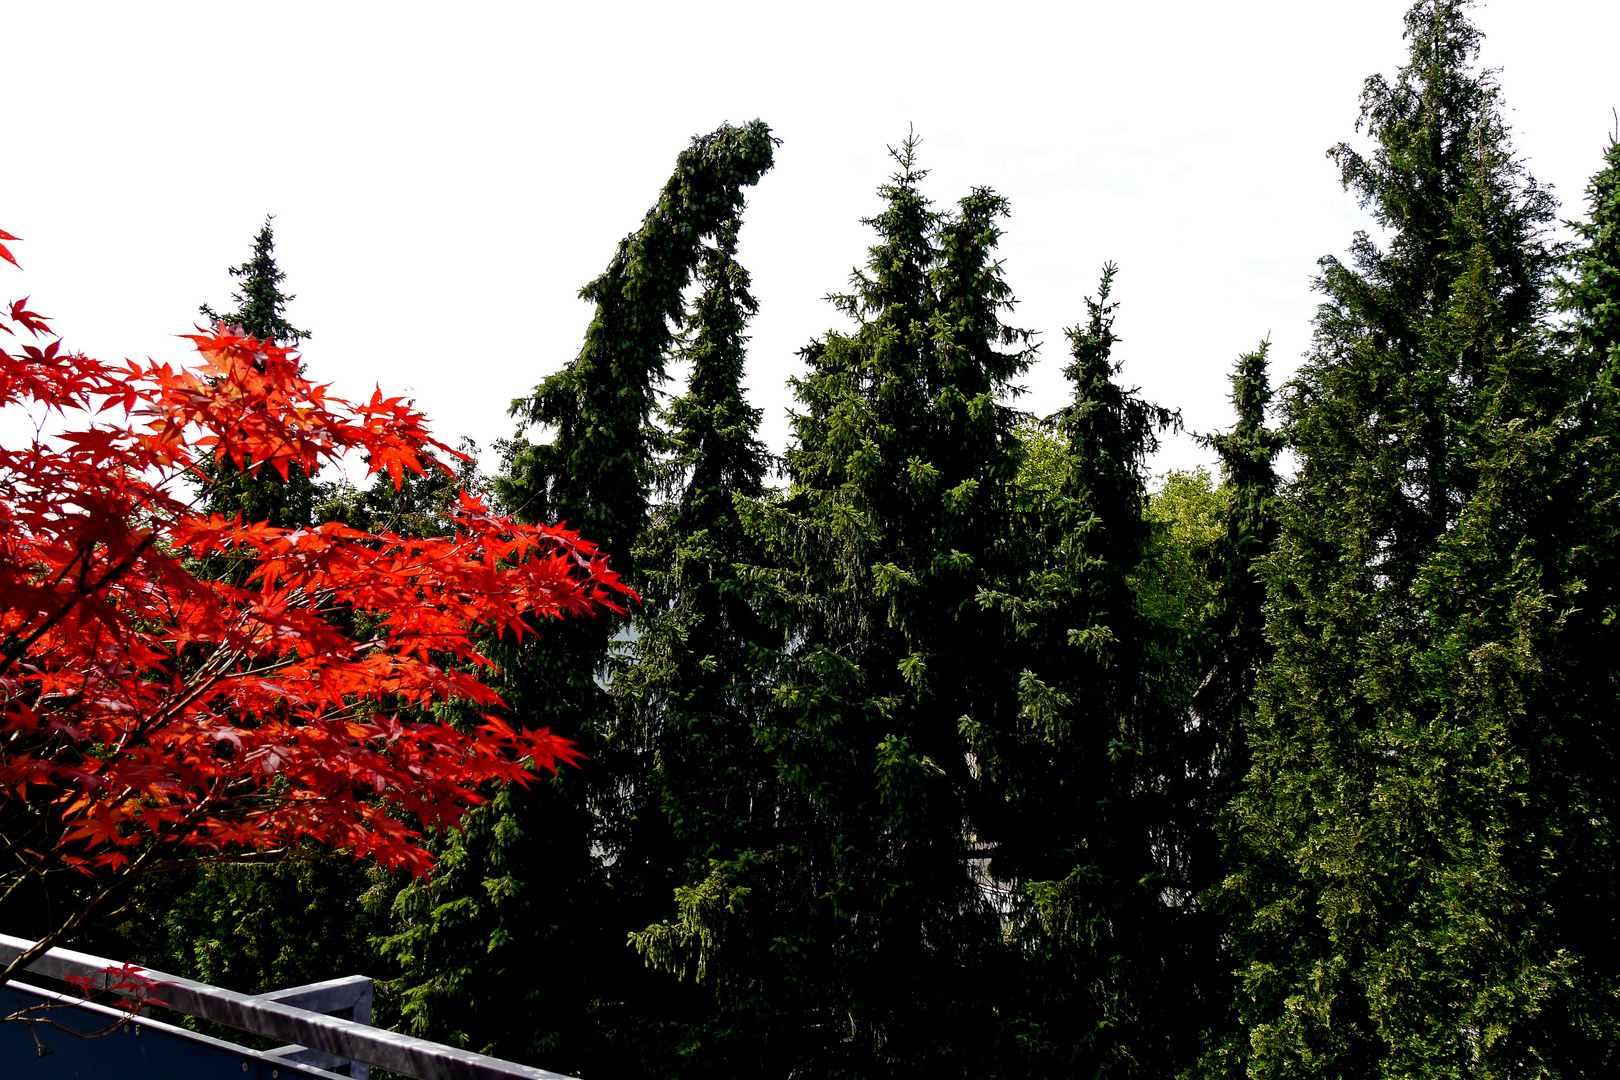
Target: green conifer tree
[261,312]
[1232,648]
[900,464]
[256,927]
[1248,456]
[1088,837]
[695,697]
[1416,850]
[534,882]
[595,471]
[261,306]
[1591,295]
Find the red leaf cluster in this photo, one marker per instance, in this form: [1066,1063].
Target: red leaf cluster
[147,709]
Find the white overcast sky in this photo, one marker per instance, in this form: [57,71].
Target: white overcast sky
[445,177]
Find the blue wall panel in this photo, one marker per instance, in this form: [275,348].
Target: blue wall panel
[139,1050]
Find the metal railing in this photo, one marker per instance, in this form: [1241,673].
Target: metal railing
[301,1016]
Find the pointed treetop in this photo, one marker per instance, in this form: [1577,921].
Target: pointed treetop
[1592,293]
[260,303]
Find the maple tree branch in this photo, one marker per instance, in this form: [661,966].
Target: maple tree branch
[14,886]
[26,873]
[67,567]
[216,669]
[88,908]
[17,646]
[21,1016]
[191,696]
[76,920]
[267,857]
[141,730]
[16,842]
[155,651]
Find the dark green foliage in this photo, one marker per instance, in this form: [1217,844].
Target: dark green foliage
[1231,648]
[594,473]
[1591,295]
[260,312]
[420,506]
[1248,464]
[901,465]
[701,817]
[503,952]
[1423,835]
[261,306]
[1087,827]
[545,881]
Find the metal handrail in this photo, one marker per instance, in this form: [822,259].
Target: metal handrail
[359,1042]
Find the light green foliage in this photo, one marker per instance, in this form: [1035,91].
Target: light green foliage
[1043,466]
[261,927]
[1179,581]
[707,909]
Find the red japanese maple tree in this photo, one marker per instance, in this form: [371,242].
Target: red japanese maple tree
[149,714]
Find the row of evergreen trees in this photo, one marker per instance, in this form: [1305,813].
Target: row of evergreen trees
[962,753]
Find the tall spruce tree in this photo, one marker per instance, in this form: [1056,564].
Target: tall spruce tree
[1590,295]
[1424,834]
[1230,648]
[696,695]
[1248,455]
[1086,832]
[900,463]
[261,306]
[534,883]
[260,312]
